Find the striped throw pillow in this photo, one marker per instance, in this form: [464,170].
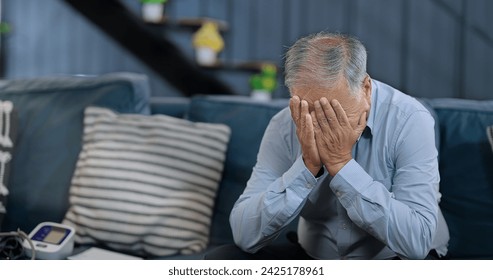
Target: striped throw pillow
[8,133]
[146,185]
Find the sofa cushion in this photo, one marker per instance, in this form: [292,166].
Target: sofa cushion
[489,133]
[50,113]
[466,171]
[146,185]
[247,119]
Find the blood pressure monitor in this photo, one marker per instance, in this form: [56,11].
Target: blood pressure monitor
[50,241]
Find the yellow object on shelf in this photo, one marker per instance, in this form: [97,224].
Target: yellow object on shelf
[208,36]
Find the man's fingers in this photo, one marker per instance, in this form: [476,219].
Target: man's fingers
[309,146]
[304,109]
[304,112]
[316,126]
[329,113]
[308,125]
[339,112]
[322,120]
[361,123]
[327,118]
[294,106]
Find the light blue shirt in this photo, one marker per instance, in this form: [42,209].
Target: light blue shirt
[381,204]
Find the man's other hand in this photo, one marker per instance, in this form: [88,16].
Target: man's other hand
[306,134]
[334,134]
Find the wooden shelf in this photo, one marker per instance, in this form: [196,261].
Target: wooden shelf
[192,23]
[198,22]
[246,66]
[195,23]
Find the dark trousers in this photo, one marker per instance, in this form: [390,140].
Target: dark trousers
[292,251]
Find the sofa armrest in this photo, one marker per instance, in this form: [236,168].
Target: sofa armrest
[466,171]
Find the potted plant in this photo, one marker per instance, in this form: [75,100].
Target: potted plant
[264,83]
[5,28]
[153,10]
[207,43]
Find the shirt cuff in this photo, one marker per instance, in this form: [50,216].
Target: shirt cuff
[299,175]
[351,180]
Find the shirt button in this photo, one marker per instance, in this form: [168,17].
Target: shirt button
[344,226]
[338,193]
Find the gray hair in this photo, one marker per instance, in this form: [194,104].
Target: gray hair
[323,57]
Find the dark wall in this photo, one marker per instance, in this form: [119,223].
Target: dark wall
[427,48]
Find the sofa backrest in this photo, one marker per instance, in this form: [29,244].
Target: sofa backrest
[50,125]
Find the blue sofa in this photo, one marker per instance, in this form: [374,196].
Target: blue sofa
[49,129]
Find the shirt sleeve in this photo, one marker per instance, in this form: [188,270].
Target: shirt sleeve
[405,217]
[275,193]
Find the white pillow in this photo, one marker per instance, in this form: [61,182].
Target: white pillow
[146,185]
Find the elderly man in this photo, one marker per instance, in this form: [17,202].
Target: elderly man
[354,158]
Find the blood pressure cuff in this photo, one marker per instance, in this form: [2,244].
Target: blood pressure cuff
[11,247]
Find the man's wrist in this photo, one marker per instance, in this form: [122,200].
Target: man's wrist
[315,170]
[334,168]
